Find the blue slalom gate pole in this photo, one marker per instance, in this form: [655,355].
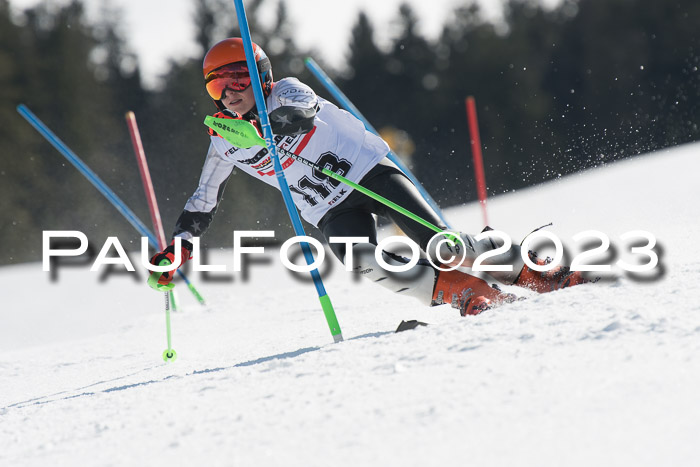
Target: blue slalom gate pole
[330,86]
[279,173]
[97,183]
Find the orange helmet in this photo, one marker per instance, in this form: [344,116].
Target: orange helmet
[231,51]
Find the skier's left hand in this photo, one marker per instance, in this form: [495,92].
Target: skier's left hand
[162,281]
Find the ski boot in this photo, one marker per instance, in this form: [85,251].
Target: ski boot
[470,294]
[547,281]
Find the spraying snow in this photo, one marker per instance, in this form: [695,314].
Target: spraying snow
[602,374]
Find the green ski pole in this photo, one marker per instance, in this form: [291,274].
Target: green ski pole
[169,354]
[243,134]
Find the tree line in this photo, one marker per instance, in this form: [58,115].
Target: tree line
[557,90]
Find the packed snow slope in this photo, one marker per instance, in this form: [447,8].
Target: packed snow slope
[605,374]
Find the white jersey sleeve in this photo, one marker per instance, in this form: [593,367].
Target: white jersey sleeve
[201,207]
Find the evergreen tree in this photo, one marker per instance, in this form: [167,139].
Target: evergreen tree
[55,75]
[558,90]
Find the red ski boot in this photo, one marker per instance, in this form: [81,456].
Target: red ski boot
[547,281]
[469,294]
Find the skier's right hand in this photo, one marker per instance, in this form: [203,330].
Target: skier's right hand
[162,281]
[224,114]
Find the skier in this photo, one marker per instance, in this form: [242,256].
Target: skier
[317,130]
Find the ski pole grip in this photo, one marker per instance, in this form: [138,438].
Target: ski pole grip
[155,275]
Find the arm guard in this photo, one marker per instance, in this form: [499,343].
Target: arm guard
[291,121]
[293,107]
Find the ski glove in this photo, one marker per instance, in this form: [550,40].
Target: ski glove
[224,114]
[234,116]
[291,121]
[161,281]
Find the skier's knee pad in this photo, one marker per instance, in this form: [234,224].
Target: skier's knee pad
[417,282]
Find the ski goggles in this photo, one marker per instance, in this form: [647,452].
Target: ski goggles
[233,76]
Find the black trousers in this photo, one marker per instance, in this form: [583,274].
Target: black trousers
[353,216]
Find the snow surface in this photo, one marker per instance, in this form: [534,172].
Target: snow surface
[603,374]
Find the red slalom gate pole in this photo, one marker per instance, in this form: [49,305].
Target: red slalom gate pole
[146,178]
[476,155]
[151,198]
[152,205]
